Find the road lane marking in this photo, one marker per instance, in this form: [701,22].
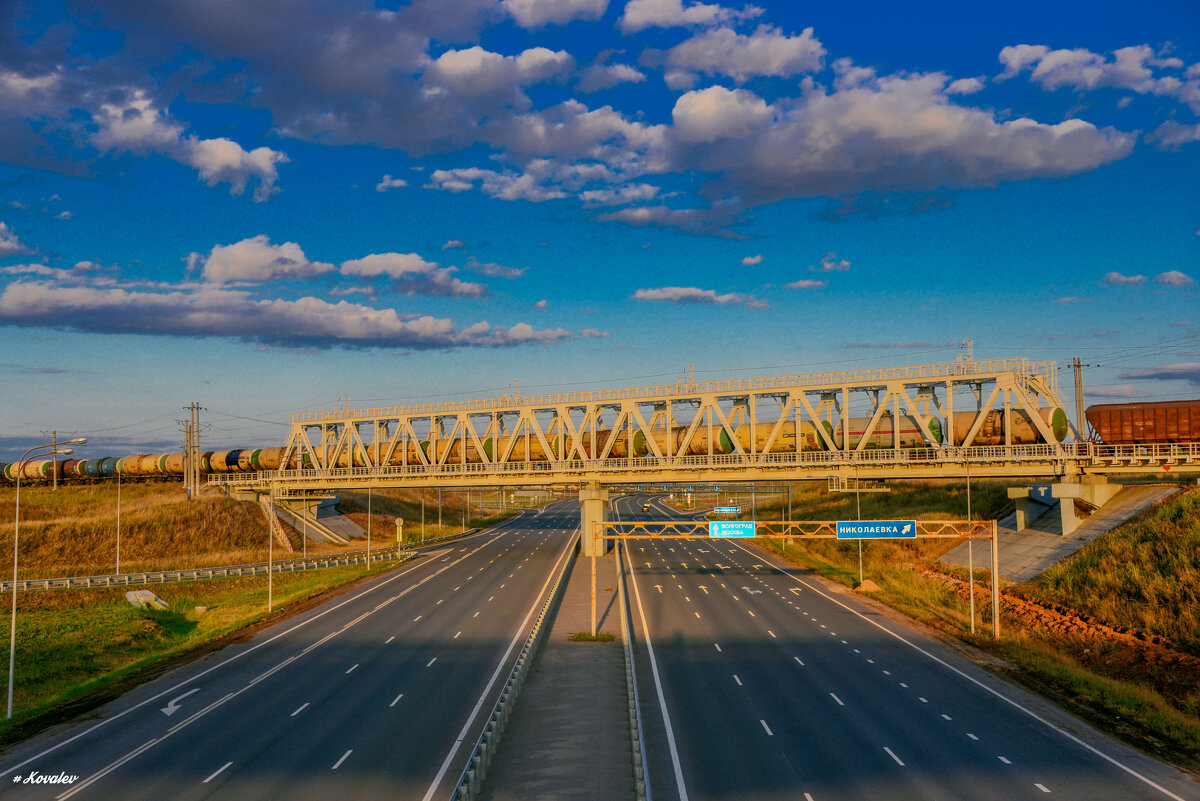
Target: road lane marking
[475,615]
[751,613]
[490,597]
[456,636]
[893,756]
[418,617]
[216,773]
[767,728]
[771,633]
[338,764]
[905,686]
[395,700]
[439,603]
[697,614]
[389,639]
[995,693]
[431,661]
[923,700]
[947,717]
[972,736]
[351,670]
[298,711]
[839,700]
[801,664]
[1004,760]
[718,647]
[1042,787]
[735,678]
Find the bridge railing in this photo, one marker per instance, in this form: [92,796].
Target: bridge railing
[1093,453]
[930,372]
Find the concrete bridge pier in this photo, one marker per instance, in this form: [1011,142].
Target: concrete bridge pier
[1091,491]
[593,508]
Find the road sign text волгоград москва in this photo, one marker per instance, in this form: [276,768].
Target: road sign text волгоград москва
[735,528]
[875,529]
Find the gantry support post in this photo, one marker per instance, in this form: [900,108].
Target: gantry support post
[593,503]
[995,583]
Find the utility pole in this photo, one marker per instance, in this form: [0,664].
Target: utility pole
[191,450]
[1080,423]
[53,437]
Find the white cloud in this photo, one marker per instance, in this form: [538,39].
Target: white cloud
[505,185]
[536,13]
[1068,299]
[768,51]
[1174,278]
[830,263]
[719,113]
[541,304]
[413,275]
[1180,371]
[626,193]
[10,245]
[750,261]
[493,269]
[641,14]
[256,260]
[476,72]
[806,283]
[214,311]
[136,126]
[605,76]
[1117,391]
[454,244]
[1116,279]
[690,294]
[965,86]
[1131,68]
[63,215]
[389,182]
[593,333]
[1171,135]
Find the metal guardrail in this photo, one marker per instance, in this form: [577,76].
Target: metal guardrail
[471,781]
[957,370]
[228,571]
[1090,452]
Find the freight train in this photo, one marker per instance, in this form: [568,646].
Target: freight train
[530,448]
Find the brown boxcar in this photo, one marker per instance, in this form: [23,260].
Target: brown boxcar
[1138,423]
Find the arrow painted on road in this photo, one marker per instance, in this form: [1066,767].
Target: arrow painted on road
[752,592]
[173,706]
[659,588]
[794,590]
[684,565]
[704,588]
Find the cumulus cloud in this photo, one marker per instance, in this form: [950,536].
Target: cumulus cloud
[1127,391]
[627,193]
[1137,69]
[750,261]
[476,72]
[389,182]
[1116,279]
[642,14]
[214,311]
[10,245]
[413,275]
[256,260]
[454,244]
[1068,299]
[806,283]
[536,13]
[965,86]
[719,113]
[767,51]
[690,294]
[1180,371]
[830,263]
[606,76]
[1174,278]
[593,333]
[135,125]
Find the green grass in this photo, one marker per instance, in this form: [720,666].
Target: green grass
[587,636]
[73,642]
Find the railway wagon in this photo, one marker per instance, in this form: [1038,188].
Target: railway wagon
[1139,423]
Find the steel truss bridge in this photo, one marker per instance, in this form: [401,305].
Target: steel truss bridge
[755,429]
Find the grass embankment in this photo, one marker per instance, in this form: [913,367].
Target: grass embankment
[386,505]
[1113,630]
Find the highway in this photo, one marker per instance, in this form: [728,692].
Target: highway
[378,693]
[760,683]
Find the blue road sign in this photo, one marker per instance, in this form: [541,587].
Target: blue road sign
[875,529]
[1042,493]
[728,510]
[731,528]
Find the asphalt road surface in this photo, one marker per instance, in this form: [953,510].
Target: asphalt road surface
[379,693]
[760,683]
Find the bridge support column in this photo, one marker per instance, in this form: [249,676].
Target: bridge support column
[593,504]
[1091,491]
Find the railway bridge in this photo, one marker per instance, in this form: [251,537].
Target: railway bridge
[991,418]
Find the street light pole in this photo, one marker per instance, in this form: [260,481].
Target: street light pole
[54,452]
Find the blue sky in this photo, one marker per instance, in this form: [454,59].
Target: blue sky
[265,207]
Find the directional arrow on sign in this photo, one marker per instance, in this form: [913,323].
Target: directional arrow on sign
[173,706]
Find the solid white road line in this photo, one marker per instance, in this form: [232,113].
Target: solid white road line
[893,756]
[431,661]
[351,670]
[216,773]
[298,711]
[996,693]
[338,764]
[839,700]
[395,700]
[389,639]
[768,728]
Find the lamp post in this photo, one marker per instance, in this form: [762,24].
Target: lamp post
[53,450]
